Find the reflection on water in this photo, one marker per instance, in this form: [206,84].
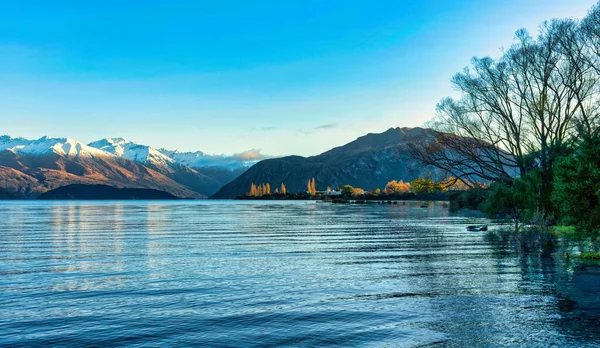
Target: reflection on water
[279,273]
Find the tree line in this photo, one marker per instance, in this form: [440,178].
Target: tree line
[392,188]
[419,186]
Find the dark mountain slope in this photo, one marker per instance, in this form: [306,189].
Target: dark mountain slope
[368,162]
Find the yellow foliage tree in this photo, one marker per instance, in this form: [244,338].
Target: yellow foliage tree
[358,191]
[311,186]
[261,190]
[396,187]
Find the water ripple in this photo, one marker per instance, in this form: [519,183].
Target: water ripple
[269,274]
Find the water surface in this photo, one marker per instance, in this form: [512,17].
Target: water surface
[278,273]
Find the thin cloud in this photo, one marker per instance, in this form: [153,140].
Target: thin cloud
[266,128]
[250,155]
[327,126]
[312,130]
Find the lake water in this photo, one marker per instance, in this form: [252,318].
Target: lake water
[265,274]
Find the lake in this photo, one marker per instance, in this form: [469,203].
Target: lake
[266,274]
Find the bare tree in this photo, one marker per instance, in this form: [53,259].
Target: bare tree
[517,113]
[589,41]
[480,135]
[590,28]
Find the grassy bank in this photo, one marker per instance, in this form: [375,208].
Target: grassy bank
[564,231]
[590,256]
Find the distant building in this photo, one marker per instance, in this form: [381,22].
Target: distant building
[330,193]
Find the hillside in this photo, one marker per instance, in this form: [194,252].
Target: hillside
[156,160]
[31,167]
[368,162]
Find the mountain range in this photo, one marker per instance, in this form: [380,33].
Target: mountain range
[29,168]
[368,162]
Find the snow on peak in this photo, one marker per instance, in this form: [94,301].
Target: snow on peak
[107,142]
[139,153]
[61,146]
[185,158]
[172,153]
[129,150]
[200,159]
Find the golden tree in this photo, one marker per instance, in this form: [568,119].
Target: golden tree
[311,186]
[358,191]
[396,187]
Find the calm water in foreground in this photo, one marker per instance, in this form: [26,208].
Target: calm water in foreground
[273,274]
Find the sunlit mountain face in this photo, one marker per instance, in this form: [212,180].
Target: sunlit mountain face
[31,167]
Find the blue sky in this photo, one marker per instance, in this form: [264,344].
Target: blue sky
[285,77]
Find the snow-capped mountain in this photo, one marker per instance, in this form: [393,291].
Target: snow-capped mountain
[30,167]
[61,146]
[200,159]
[163,157]
[197,170]
[152,158]
[132,151]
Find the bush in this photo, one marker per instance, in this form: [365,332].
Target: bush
[396,187]
[515,199]
[470,199]
[425,185]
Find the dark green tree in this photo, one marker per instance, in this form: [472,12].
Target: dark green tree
[577,187]
[425,185]
[347,190]
[515,199]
